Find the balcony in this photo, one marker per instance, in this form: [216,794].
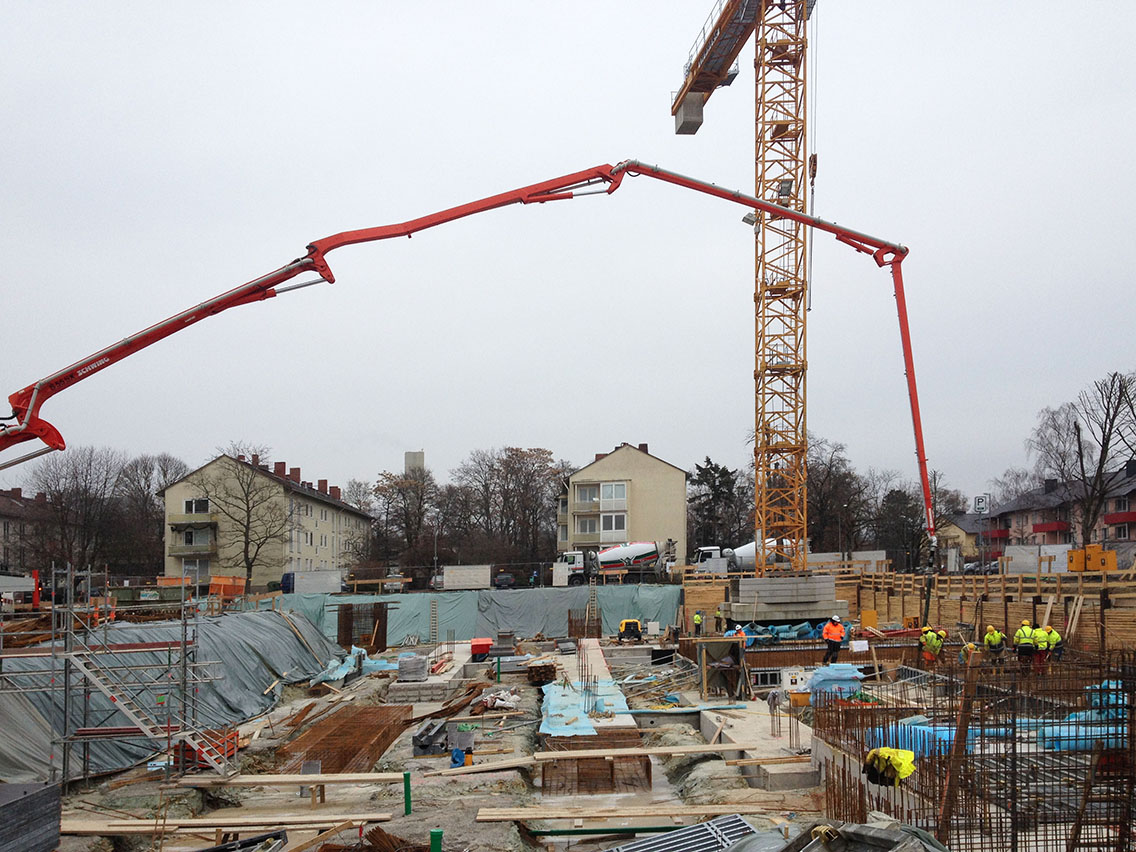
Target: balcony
[585,538]
[1119,518]
[209,549]
[1051,526]
[999,533]
[199,520]
[616,505]
[587,507]
[561,518]
[613,536]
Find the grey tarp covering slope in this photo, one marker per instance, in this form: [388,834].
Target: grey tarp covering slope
[469,614]
[252,650]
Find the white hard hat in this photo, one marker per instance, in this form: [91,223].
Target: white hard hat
[836,618]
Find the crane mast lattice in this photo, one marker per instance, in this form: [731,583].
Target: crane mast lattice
[780,296]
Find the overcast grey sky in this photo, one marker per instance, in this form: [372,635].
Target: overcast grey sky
[156,154]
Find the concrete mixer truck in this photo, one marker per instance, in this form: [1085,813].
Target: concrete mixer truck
[635,562]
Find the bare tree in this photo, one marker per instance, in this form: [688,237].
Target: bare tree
[73,525]
[137,534]
[1080,443]
[1013,483]
[256,513]
[406,499]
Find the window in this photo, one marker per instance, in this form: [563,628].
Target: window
[587,493]
[563,511]
[187,538]
[1094,535]
[586,526]
[198,506]
[195,569]
[613,491]
[1121,504]
[7,528]
[1121,532]
[563,532]
[614,523]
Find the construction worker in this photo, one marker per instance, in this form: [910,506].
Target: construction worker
[966,652]
[923,637]
[718,619]
[1056,644]
[932,646]
[698,622]
[995,645]
[1044,638]
[833,634]
[1023,644]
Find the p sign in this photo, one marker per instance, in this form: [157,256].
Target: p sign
[982,504]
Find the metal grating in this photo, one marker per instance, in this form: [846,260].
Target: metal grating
[710,836]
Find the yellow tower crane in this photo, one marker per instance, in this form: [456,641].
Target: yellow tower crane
[781,289]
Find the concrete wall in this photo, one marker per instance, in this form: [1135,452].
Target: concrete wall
[1027,556]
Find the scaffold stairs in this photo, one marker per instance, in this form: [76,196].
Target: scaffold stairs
[141,718]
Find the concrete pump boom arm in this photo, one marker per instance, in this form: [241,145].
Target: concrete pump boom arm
[26,403]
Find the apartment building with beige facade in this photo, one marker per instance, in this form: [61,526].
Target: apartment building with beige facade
[296,525]
[623,496]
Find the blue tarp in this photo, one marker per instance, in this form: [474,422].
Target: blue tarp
[564,714]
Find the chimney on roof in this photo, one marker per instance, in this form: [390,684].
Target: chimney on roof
[602,455]
[335,492]
[322,486]
[17,493]
[241,457]
[1130,468]
[1050,486]
[280,469]
[40,497]
[642,448]
[255,460]
[294,475]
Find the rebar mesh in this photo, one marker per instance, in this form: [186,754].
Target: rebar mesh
[1047,762]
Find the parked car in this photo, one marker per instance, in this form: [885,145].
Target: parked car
[504,581]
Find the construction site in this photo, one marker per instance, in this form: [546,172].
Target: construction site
[795,701]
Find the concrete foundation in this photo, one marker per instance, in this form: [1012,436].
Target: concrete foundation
[786,776]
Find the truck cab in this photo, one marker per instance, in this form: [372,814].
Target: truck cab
[577,562]
[715,560]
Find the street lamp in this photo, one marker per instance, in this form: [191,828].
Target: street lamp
[435,575]
[840,529]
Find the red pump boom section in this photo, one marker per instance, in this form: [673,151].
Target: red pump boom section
[26,403]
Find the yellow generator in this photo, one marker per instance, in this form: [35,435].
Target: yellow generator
[1093,558]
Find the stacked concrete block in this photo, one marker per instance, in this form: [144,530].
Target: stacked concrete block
[786,598]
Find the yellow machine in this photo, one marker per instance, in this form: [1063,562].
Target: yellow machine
[630,629]
[1092,558]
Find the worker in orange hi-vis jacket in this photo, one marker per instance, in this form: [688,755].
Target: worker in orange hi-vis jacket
[833,634]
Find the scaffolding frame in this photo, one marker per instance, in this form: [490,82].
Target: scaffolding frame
[159,701]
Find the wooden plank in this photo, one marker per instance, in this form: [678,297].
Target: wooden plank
[268,780]
[658,811]
[252,822]
[642,752]
[304,845]
[765,761]
[494,766]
